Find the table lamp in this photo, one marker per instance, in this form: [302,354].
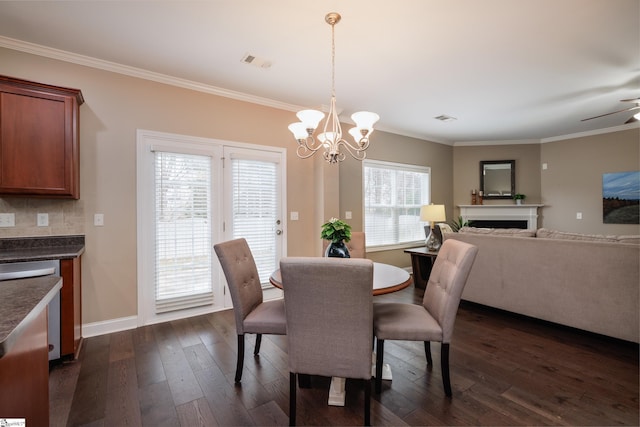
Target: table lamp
[431,214]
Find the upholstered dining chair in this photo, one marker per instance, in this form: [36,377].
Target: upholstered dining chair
[252,314]
[329,310]
[357,246]
[434,319]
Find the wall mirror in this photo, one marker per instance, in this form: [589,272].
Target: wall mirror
[498,179]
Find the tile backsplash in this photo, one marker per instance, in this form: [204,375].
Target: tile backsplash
[66,217]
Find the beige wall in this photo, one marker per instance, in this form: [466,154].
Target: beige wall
[395,148]
[573,180]
[466,170]
[116,105]
[571,183]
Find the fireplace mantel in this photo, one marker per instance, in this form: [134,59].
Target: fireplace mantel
[509,212]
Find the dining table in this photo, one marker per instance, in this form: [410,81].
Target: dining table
[386,279]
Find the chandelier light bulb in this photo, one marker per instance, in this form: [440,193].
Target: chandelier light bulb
[365,119]
[299,130]
[310,118]
[357,135]
[327,137]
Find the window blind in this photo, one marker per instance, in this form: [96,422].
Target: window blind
[183,272]
[393,195]
[255,207]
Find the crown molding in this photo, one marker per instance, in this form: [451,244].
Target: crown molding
[592,132]
[87,61]
[502,142]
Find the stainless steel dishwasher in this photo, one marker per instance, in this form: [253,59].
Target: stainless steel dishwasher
[22,270]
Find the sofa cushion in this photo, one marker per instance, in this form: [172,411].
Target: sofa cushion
[509,232]
[554,234]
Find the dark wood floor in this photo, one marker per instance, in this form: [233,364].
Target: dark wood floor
[505,370]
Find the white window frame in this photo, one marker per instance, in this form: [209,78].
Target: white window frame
[426,199]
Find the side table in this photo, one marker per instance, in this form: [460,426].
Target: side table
[422,261]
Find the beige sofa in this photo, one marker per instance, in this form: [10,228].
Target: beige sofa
[583,281]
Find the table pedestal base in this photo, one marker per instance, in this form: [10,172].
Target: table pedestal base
[336,390]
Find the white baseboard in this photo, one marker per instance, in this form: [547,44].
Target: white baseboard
[109,326]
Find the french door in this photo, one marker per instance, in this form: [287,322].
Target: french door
[254,207]
[193,193]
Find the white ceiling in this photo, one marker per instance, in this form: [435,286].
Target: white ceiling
[507,70]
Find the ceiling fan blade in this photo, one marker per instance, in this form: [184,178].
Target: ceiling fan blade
[613,112]
[631,120]
[630,100]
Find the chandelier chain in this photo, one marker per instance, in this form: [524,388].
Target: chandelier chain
[333,60]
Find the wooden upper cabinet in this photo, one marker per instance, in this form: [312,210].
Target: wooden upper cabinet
[39,139]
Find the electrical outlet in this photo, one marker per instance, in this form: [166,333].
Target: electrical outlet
[7,220]
[347,215]
[578,215]
[294,216]
[43,220]
[98,220]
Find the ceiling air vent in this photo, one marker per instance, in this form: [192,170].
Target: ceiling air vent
[445,118]
[255,61]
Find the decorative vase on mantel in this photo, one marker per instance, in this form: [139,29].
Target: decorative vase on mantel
[337,250]
[519,198]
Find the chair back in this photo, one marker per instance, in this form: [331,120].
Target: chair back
[329,310]
[357,246]
[242,277]
[446,283]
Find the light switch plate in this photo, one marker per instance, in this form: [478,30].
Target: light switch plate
[98,220]
[7,220]
[43,220]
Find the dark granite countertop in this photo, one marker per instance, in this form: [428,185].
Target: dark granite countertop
[20,302]
[40,248]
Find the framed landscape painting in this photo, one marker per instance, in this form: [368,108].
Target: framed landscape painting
[621,198]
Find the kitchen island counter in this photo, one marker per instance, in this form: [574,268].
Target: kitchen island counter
[20,301]
[24,364]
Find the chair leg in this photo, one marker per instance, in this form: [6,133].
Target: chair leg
[240,363]
[258,342]
[444,362]
[367,402]
[292,399]
[427,352]
[379,359]
[304,381]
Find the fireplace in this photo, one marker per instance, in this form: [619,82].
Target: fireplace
[498,223]
[501,216]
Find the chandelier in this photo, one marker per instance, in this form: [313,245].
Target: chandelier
[331,137]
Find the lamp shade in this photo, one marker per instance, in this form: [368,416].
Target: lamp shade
[310,118]
[365,119]
[432,213]
[299,130]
